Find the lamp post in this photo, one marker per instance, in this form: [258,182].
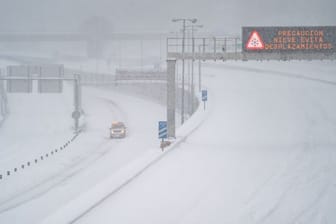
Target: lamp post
[192,88]
[183,20]
[199,69]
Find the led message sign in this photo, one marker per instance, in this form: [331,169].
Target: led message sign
[320,39]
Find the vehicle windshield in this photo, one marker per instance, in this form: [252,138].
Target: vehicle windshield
[118,125]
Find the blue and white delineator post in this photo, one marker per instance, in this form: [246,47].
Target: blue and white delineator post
[163,131]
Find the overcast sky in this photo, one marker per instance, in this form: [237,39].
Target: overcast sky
[218,16]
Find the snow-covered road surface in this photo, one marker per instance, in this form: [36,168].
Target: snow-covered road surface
[265,154]
[41,189]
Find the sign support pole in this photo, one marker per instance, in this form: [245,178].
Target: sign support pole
[199,75]
[162,146]
[171,96]
[77,102]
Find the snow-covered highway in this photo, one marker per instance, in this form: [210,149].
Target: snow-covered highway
[38,190]
[262,152]
[265,154]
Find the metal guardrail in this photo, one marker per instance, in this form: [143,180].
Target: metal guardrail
[140,75]
[129,76]
[21,166]
[204,45]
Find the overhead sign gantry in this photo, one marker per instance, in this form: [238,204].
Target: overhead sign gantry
[256,43]
[50,79]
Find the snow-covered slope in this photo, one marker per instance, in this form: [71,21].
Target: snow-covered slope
[265,154]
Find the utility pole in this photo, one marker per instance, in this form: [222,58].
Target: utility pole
[199,70]
[183,20]
[183,44]
[192,87]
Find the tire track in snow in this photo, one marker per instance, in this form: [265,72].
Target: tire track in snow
[52,181]
[59,178]
[133,177]
[303,164]
[323,193]
[280,73]
[296,163]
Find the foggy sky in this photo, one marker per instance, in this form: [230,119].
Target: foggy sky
[218,16]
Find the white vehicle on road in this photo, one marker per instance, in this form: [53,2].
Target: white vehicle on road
[118,130]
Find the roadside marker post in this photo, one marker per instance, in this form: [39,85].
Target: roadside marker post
[163,132]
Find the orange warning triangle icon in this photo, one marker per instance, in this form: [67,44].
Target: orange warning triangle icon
[255,42]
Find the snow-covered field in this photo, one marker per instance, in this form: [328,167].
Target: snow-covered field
[262,152]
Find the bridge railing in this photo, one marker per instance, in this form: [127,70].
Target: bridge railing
[140,75]
[203,45]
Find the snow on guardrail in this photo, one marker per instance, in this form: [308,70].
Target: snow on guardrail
[36,160]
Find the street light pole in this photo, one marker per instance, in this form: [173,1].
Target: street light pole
[183,43]
[192,87]
[199,70]
[183,46]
